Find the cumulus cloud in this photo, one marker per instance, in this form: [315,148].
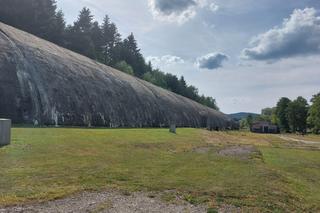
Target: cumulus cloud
[177,10]
[165,60]
[214,7]
[298,35]
[211,61]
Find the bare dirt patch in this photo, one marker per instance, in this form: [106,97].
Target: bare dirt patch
[298,140]
[202,150]
[238,151]
[109,202]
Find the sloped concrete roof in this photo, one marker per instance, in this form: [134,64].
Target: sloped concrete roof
[42,83]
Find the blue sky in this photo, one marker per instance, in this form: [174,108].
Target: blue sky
[245,53]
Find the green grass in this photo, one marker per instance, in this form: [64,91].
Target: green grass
[45,164]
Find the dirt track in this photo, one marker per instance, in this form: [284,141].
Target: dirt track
[110,202]
[298,140]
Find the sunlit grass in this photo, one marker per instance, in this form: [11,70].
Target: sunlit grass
[44,164]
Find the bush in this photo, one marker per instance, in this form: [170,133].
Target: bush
[124,67]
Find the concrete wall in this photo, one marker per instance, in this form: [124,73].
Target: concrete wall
[5,132]
[43,84]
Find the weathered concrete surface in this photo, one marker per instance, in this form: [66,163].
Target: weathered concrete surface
[173,128]
[43,84]
[5,132]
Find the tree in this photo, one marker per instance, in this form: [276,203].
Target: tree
[281,114]
[172,83]
[124,67]
[249,121]
[267,111]
[111,42]
[45,19]
[209,102]
[149,67]
[297,113]
[179,86]
[79,35]
[268,114]
[60,29]
[182,86]
[37,17]
[130,53]
[156,77]
[9,10]
[243,124]
[97,40]
[314,114]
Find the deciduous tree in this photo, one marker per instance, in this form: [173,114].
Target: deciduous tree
[297,113]
[281,114]
[314,114]
[124,67]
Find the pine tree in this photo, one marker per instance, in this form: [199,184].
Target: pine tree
[59,29]
[84,23]
[131,54]
[11,13]
[149,67]
[44,19]
[34,16]
[79,35]
[111,42]
[172,82]
[182,86]
[97,39]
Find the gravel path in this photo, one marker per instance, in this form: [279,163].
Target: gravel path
[110,202]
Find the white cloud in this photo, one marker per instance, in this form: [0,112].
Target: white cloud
[214,7]
[252,88]
[178,11]
[211,61]
[299,35]
[163,61]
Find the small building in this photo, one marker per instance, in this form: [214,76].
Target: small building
[264,127]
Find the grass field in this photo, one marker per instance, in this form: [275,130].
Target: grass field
[275,176]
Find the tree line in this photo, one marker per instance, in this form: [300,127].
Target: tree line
[101,42]
[291,115]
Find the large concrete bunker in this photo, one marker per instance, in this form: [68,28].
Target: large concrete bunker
[44,84]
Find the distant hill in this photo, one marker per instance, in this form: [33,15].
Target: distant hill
[240,115]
